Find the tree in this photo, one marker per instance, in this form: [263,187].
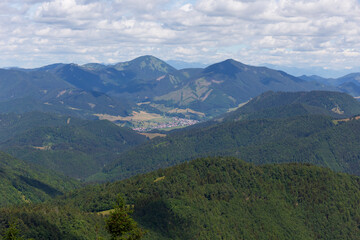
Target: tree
[120,224]
[12,233]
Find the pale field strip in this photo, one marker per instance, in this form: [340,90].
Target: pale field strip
[153,135]
[135,116]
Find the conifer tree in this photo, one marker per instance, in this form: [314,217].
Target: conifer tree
[120,224]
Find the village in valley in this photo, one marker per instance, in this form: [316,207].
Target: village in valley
[175,122]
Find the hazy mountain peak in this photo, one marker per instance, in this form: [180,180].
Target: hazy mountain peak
[51,67]
[94,66]
[146,67]
[228,67]
[178,64]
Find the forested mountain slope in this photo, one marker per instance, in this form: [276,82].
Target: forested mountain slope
[349,83]
[74,147]
[229,83]
[313,139]
[274,127]
[21,182]
[42,89]
[212,198]
[287,104]
[12,124]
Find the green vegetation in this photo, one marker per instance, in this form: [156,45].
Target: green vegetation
[12,233]
[120,225]
[313,139]
[21,182]
[215,198]
[272,128]
[12,124]
[288,104]
[211,198]
[51,221]
[76,148]
[47,221]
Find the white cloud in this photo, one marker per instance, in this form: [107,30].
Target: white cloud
[291,32]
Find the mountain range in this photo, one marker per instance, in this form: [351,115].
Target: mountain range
[272,156]
[349,83]
[145,83]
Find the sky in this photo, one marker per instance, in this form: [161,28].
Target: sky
[322,34]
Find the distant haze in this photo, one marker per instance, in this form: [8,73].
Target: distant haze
[326,73]
[181,64]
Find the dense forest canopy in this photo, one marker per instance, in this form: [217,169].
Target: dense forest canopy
[206,198]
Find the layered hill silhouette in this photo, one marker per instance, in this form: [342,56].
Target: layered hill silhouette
[114,89]
[227,84]
[349,83]
[306,132]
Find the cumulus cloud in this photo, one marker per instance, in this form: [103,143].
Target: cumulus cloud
[286,32]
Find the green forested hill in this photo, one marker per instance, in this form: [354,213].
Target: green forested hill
[212,198]
[16,84]
[314,139]
[12,124]
[273,127]
[287,104]
[24,183]
[76,149]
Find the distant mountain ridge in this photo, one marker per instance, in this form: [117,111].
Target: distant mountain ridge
[154,84]
[349,83]
[224,85]
[43,90]
[178,64]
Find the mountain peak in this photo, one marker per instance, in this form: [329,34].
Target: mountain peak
[148,67]
[230,60]
[228,67]
[147,57]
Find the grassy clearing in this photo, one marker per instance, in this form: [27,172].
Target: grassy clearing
[346,119]
[159,179]
[153,135]
[186,111]
[106,212]
[135,116]
[239,106]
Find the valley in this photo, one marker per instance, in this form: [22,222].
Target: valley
[179,120]
[229,151]
[144,121]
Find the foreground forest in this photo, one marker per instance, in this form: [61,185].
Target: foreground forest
[217,198]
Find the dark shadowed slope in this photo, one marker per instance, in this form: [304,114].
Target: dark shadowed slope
[21,182]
